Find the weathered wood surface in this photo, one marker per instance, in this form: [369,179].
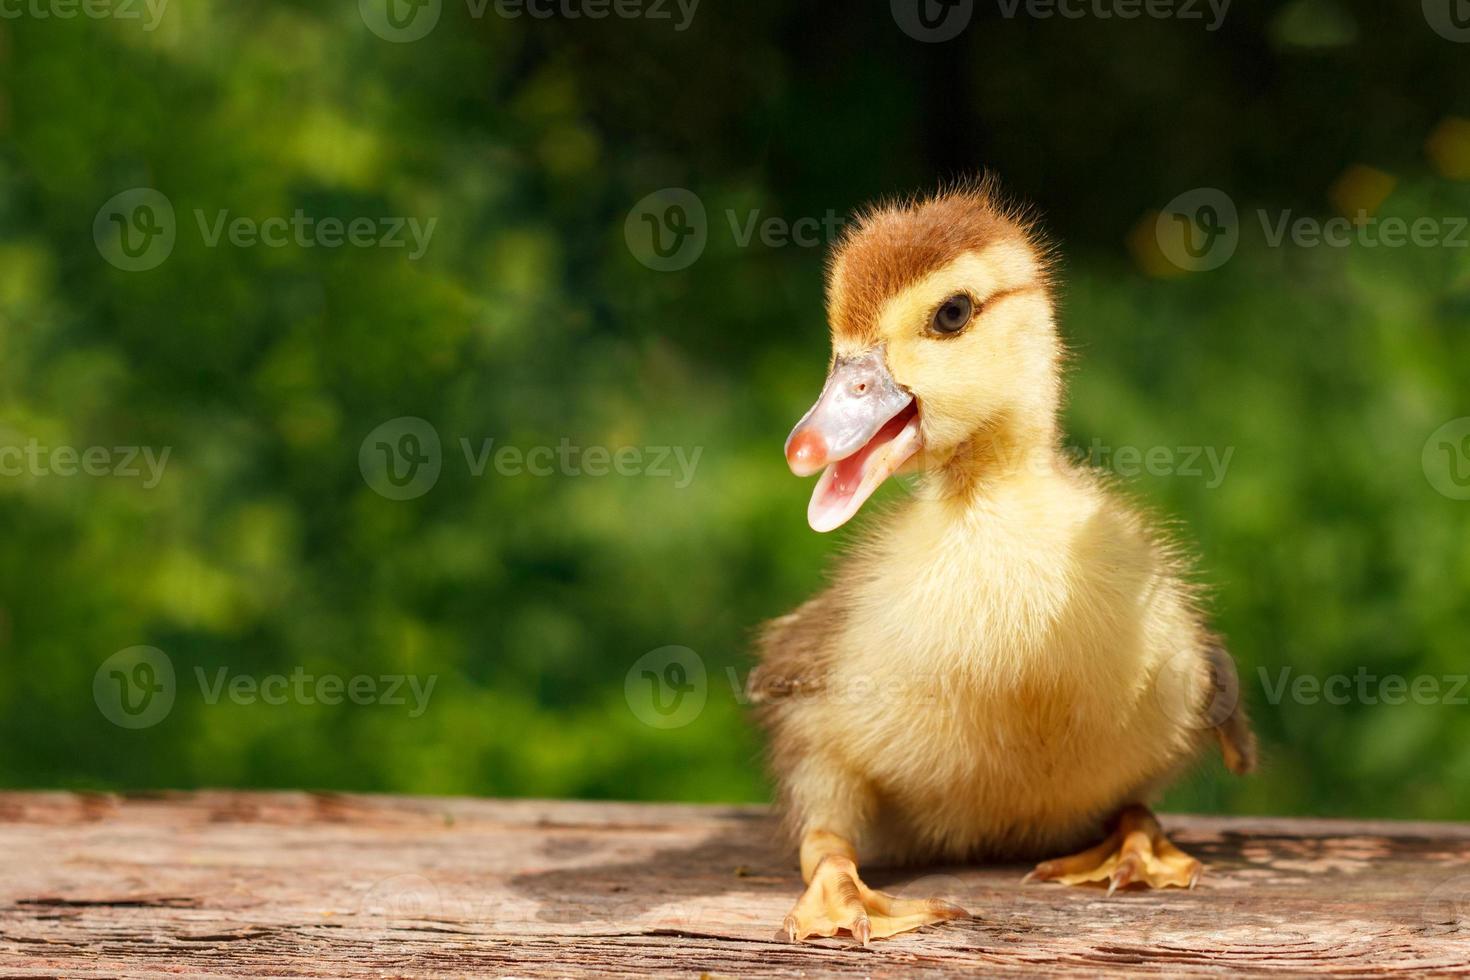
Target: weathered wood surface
[308,885]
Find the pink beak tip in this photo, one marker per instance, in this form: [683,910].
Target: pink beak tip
[806,453]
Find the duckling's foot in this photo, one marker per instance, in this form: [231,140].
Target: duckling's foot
[1135,853]
[837,901]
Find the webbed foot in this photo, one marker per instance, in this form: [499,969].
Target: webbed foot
[1135,853]
[837,900]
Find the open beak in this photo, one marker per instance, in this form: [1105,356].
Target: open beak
[862,429]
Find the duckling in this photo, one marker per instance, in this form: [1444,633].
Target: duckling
[1011,662]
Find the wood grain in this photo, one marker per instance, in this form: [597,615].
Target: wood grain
[310,885]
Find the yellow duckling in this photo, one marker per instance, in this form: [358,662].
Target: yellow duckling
[1012,661]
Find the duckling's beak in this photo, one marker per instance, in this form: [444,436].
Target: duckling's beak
[862,429]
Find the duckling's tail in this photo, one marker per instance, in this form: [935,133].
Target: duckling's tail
[1237,741]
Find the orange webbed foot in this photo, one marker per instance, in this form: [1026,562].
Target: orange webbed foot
[1135,853]
[837,900]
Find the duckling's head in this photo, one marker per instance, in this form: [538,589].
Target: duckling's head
[944,350]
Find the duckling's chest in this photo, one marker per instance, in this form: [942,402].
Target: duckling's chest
[971,612]
[989,690]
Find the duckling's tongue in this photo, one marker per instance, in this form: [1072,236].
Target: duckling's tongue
[849,481]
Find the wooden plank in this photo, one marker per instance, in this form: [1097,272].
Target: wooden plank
[224,884]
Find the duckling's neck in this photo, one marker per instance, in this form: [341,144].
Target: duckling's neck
[1001,453]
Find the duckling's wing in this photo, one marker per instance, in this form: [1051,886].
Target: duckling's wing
[795,651]
[1226,709]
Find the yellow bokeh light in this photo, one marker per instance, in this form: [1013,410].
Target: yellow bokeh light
[1361,190]
[1143,244]
[1449,148]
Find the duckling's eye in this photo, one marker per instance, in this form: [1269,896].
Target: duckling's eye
[953,314]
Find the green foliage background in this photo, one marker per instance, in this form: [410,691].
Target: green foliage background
[529,321]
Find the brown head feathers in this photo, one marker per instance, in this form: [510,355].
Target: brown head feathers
[895,244]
